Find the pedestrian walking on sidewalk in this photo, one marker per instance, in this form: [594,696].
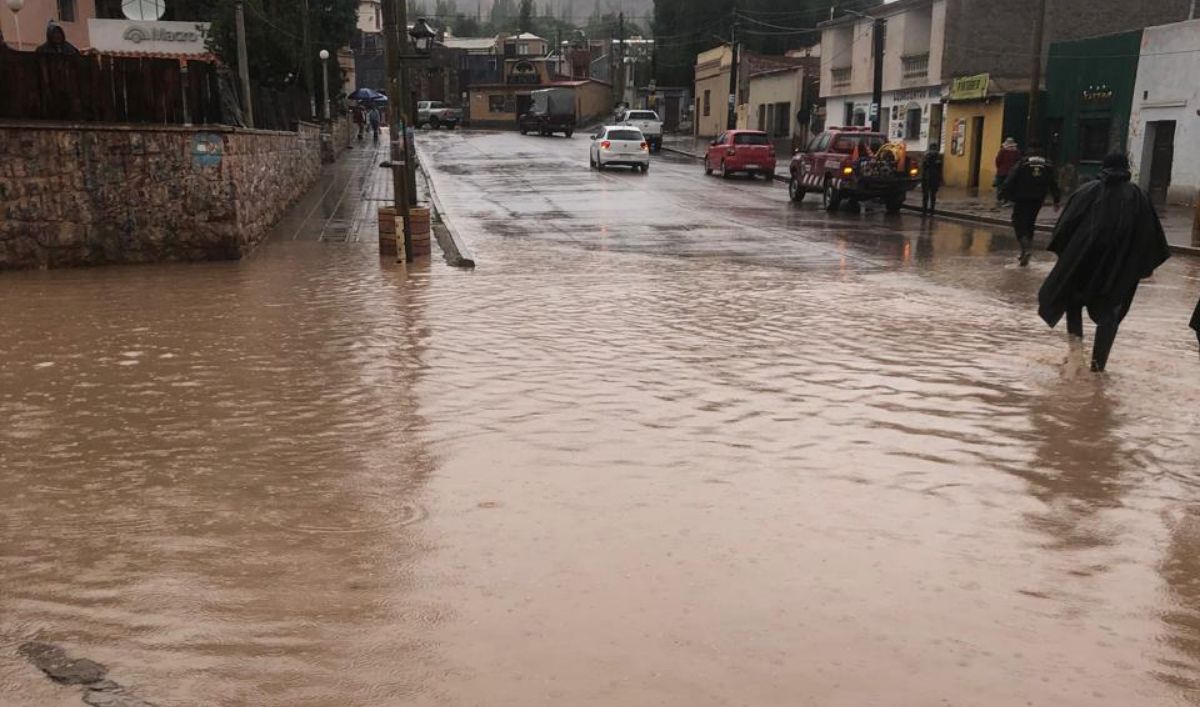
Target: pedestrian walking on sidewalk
[1006,161]
[931,178]
[1108,239]
[1026,187]
[374,119]
[360,119]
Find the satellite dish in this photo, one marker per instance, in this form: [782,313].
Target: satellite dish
[144,10]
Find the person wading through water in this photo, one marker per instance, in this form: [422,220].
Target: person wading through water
[1196,321]
[1026,187]
[1107,240]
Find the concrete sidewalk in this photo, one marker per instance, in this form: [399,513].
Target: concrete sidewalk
[980,206]
[343,205]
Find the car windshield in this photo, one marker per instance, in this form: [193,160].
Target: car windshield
[751,139]
[634,135]
[642,115]
[845,144]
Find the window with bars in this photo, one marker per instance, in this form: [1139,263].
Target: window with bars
[66,10]
[841,76]
[916,66]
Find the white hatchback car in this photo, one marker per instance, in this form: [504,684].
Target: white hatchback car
[620,145]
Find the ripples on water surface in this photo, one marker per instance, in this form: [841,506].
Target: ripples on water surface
[596,478]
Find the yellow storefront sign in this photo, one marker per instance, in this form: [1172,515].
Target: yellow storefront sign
[970,88]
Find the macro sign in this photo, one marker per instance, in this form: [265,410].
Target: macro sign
[184,38]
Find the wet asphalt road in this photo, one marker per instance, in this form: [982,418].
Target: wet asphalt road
[675,441]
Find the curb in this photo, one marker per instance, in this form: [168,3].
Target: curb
[454,247]
[956,215]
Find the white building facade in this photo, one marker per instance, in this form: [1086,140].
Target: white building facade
[913,85]
[1164,122]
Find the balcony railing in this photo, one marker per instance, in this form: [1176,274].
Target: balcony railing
[915,66]
[841,76]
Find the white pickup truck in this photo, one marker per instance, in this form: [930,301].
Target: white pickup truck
[648,122]
[436,114]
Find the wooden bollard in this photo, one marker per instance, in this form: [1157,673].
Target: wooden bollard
[419,219]
[387,230]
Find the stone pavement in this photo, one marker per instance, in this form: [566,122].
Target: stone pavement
[342,206]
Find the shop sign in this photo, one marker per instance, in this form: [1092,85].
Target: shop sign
[150,37]
[970,88]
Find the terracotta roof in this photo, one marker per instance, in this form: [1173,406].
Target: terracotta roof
[210,58]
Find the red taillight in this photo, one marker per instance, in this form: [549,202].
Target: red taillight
[645,147]
[605,145]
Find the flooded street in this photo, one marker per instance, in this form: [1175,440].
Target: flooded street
[675,441]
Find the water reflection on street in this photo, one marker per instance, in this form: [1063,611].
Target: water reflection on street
[643,455]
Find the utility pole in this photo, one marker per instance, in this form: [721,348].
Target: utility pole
[1035,78]
[395,12]
[306,65]
[878,32]
[734,61]
[621,59]
[239,20]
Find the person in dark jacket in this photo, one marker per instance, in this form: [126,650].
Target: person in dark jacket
[1196,321]
[1006,161]
[56,41]
[931,178]
[1026,187]
[1108,239]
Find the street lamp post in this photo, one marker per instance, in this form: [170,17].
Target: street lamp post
[422,36]
[877,41]
[15,6]
[325,78]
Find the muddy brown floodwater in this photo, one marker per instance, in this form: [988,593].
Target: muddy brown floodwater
[677,452]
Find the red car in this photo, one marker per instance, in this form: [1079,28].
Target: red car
[748,151]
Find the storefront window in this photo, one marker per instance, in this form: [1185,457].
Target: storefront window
[496,104]
[1093,139]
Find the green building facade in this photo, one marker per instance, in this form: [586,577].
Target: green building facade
[1090,84]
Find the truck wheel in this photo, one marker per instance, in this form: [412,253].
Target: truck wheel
[795,191]
[832,196]
[524,131]
[723,173]
[451,126]
[434,123]
[894,203]
[569,133]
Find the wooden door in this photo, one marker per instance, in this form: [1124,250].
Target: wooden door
[1162,160]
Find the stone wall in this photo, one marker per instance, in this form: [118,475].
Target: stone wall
[90,195]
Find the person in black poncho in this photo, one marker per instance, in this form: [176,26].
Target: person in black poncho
[1108,239]
[1196,321]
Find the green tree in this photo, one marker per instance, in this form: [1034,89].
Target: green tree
[275,35]
[684,28]
[466,26]
[526,19]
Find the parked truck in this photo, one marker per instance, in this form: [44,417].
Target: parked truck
[435,114]
[551,110]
